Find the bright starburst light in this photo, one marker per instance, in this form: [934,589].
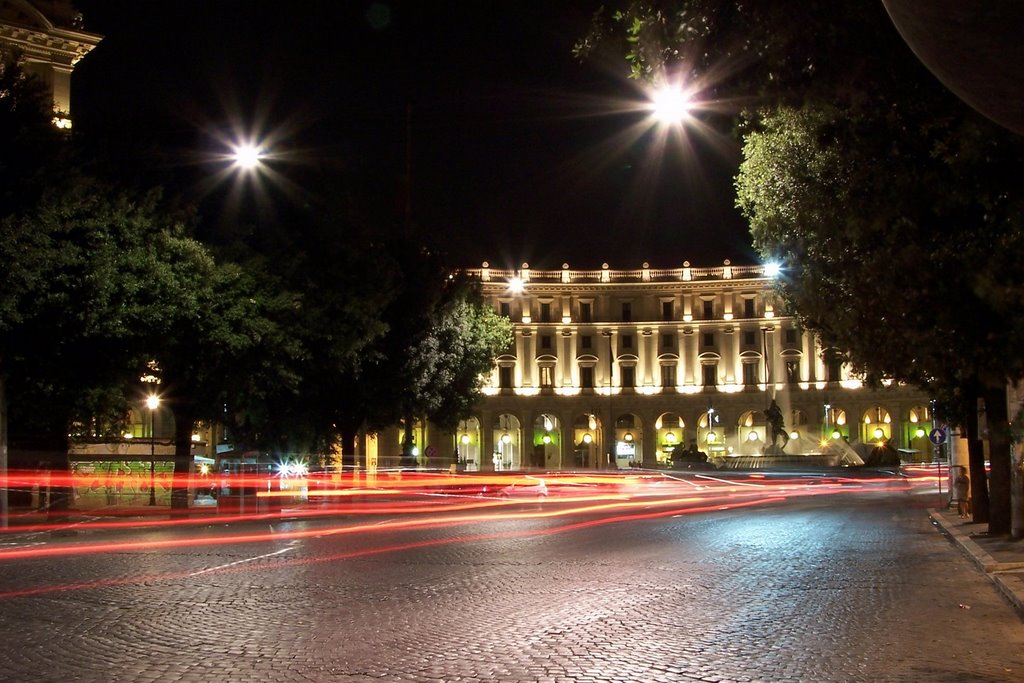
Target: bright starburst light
[248,155]
[670,104]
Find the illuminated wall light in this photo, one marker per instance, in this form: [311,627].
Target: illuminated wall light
[546,439]
[919,433]
[794,435]
[128,435]
[836,434]
[879,433]
[670,437]
[752,436]
[416,451]
[196,438]
[712,437]
[506,438]
[588,438]
[465,439]
[628,436]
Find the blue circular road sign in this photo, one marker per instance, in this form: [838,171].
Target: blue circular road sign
[937,436]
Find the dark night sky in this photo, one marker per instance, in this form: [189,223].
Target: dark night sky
[514,150]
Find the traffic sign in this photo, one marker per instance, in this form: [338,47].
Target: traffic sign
[937,436]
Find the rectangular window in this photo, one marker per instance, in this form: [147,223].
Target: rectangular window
[668,341]
[628,377]
[668,375]
[666,310]
[586,342]
[627,312]
[587,377]
[585,312]
[709,309]
[749,338]
[545,312]
[791,336]
[506,309]
[748,308]
[545,341]
[792,371]
[833,366]
[627,341]
[750,373]
[710,373]
[547,376]
[708,339]
[505,377]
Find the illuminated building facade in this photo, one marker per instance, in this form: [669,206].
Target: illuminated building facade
[47,37]
[616,368]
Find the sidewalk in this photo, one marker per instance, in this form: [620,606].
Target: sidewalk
[1000,557]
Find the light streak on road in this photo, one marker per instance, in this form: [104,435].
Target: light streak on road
[670,511]
[428,494]
[597,506]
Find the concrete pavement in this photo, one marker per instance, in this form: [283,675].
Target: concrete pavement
[1000,557]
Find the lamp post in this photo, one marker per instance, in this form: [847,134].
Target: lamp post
[152,402]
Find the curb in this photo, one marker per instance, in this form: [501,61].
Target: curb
[1010,585]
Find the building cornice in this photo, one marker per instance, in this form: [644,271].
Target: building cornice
[58,46]
[645,276]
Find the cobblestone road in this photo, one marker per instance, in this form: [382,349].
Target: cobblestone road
[858,588]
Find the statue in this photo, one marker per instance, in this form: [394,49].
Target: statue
[776,427]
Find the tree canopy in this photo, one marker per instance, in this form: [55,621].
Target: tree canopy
[891,205]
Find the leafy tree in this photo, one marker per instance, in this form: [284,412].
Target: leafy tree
[901,299]
[873,184]
[341,289]
[449,362]
[95,274]
[225,344]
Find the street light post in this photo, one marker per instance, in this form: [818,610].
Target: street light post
[152,401]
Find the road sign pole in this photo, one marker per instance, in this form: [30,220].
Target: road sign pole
[938,437]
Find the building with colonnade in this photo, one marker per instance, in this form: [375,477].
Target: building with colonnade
[616,368]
